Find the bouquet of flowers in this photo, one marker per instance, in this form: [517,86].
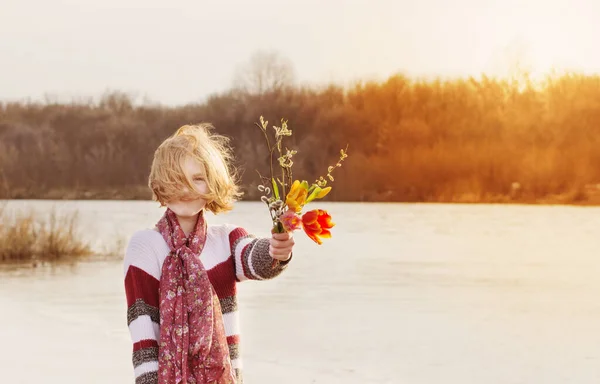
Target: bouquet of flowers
[286,197]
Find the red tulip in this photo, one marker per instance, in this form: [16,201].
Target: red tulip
[316,224]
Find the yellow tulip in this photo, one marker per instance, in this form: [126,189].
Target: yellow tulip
[323,193]
[297,196]
[317,193]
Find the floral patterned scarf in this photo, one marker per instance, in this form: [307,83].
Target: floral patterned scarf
[193,346]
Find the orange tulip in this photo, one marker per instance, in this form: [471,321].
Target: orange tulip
[316,224]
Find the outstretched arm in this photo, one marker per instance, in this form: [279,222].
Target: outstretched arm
[259,258]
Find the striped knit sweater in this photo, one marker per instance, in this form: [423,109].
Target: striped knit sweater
[230,255]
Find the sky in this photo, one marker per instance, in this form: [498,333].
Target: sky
[175,52]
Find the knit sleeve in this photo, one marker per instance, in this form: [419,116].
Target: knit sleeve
[142,277]
[251,256]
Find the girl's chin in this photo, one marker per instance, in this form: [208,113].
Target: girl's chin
[187,209]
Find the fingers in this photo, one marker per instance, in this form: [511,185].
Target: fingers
[282,240]
[279,255]
[281,245]
[282,236]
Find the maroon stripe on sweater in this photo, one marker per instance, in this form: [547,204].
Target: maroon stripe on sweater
[141,285]
[235,235]
[233,339]
[222,278]
[143,344]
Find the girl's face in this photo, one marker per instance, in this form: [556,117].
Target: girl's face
[192,205]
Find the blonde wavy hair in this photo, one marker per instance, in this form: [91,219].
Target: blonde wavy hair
[168,181]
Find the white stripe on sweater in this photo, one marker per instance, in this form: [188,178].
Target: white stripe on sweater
[216,249]
[143,328]
[145,250]
[148,250]
[231,321]
[237,363]
[151,366]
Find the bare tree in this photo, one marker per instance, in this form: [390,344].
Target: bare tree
[266,71]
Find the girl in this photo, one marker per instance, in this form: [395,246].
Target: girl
[180,277]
